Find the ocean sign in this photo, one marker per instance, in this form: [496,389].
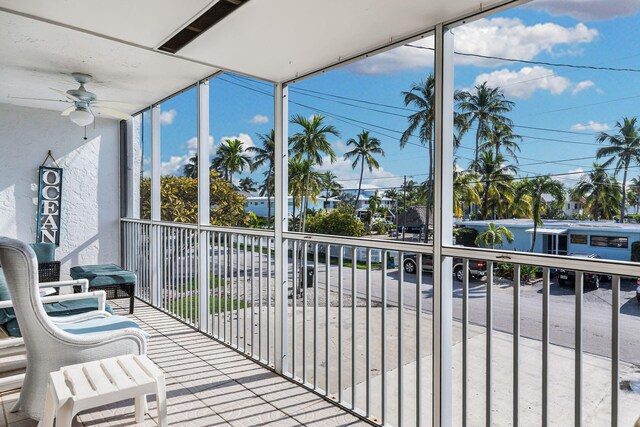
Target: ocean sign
[49,205]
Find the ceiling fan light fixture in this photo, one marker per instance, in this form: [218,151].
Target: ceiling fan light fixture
[81,117]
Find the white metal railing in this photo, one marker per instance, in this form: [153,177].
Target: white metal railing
[360,329]
[233,301]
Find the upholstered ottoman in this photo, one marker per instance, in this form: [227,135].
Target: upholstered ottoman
[111,278]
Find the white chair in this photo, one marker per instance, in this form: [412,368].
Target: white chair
[54,343]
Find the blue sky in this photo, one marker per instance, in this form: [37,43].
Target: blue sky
[574,104]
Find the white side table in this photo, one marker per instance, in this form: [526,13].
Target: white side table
[76,388]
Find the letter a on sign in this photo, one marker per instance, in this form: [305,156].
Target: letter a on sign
[49,205]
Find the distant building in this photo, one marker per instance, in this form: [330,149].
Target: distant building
[570,208]
[363,201]
[608,239]
[259,205]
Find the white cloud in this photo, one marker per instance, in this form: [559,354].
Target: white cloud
[592,126]
[571,177]
[524,82]
[588,10]
[349,177]
[502,37]
[166,117]
[583,85]
[175,164]
[339,147]
[259,119]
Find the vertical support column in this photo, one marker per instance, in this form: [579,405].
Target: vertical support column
[203,205]
[134,160]
[281,163]
[155,207]
[443,229]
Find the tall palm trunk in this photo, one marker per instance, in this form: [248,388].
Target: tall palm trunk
[303,214]
[536,215]
[429,191]
[477,142]
[355,205]
[624,192]
[293,214]
[485,201]
[269,208]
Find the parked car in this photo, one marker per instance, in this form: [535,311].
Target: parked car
[476,268]
[568,277]
[638,289]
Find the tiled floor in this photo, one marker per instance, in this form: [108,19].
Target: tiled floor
[207,385]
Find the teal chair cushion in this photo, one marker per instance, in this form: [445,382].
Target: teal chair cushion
[45,252]
[57,309]
[104,324]
[103,274]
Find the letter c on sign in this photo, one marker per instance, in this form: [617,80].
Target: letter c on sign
[46,195]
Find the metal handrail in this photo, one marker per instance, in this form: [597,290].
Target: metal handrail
[216,228]
[361,242]
[601,266]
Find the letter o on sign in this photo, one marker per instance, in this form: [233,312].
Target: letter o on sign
[46,177]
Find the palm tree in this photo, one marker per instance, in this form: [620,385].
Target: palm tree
[599,192]
[374,203]
[311,144]
[502,136]
[299,172]
[266,189]
[496,178]
[265,155]
[466,190]
[364,150]
[494,236]
[231,158]
[421,95]
[624,148]
[248,185]
[535,188]
[486,107]
[633,194]
[190,170]
[330,185]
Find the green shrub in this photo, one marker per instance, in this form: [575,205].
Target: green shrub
[340,222]
[466,236]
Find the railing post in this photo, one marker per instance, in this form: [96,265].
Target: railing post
[443,229]
[203,205]
[155,207]
[281,163]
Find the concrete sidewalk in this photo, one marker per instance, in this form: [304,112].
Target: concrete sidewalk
[596,386]
[596,370]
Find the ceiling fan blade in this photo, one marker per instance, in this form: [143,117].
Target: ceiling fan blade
[111,112]
[39,99]
[112,104]
[68,110]
[71,97]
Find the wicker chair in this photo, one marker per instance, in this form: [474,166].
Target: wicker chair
[51,344]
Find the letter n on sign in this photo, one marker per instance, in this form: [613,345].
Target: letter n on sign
[49,205]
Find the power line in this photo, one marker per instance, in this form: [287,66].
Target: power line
[524,61]
[302,91]
[349,120]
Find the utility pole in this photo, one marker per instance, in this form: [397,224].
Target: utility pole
[404,197]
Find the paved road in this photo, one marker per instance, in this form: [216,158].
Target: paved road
[597,310]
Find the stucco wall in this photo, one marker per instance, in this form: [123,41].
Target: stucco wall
[90,188]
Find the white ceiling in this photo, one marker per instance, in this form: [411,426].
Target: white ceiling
[43,41]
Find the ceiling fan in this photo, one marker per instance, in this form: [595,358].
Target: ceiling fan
[86,103]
